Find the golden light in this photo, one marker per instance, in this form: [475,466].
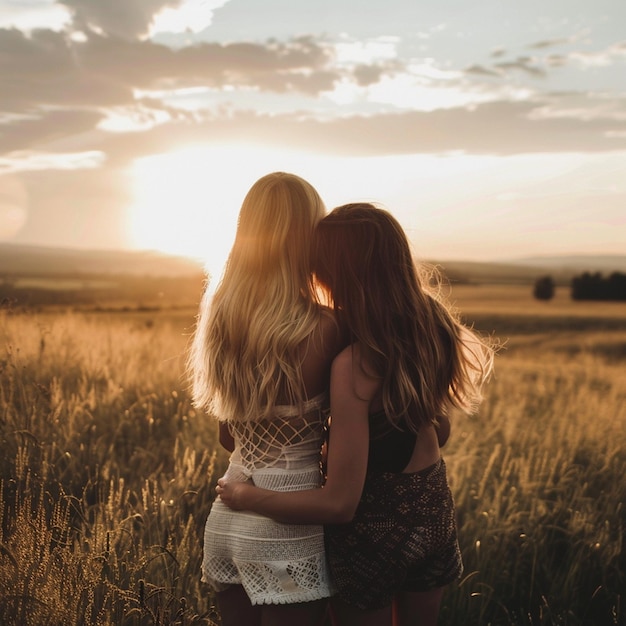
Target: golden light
[186,202]
[13,206]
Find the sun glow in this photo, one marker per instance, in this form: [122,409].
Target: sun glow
[187,201]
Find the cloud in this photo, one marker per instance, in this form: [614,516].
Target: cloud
[46,70]
[481,71]
[13,162]
[49,68]
[611,55]
[496,128]
[190,16]
[556,60]
[33,14]
[370,74]
[524,64]
[127,19]
[550,43]
[49,126]
[58,86]
[502,128]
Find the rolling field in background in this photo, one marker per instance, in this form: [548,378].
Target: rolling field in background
[107,472]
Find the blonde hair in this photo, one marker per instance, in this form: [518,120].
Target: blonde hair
[245,353]
[427,360]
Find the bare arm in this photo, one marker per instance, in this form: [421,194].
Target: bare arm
[348,446]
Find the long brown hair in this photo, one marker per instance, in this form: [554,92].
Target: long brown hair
[427,360]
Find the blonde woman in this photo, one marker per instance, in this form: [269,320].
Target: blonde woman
[390,521]
[260,362]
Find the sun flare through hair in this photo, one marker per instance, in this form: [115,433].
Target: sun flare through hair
[245,353]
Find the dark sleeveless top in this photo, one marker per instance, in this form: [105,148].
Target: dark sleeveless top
[390,448]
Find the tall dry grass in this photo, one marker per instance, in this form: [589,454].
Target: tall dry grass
[107,475]
[539,478]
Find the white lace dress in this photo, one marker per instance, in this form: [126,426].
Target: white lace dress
[276,563]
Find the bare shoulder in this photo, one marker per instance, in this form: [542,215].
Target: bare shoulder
[318,351]
[343,361]
[350,370]
[332,335]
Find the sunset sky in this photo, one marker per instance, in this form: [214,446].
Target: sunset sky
[492,129]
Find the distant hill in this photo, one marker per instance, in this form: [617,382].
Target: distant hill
[34,276]
[39,261]
[526,270]
[20,260]
[607,263]
[486,272]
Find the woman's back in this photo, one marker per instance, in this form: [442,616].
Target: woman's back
[275,562]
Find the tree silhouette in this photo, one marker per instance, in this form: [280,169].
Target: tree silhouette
[589,286]
[544,288]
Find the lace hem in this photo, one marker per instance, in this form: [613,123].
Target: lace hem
[271,582]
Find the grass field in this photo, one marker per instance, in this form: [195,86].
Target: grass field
[539,476]
[107,473]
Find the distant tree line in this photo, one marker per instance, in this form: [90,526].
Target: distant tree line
[587,286]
